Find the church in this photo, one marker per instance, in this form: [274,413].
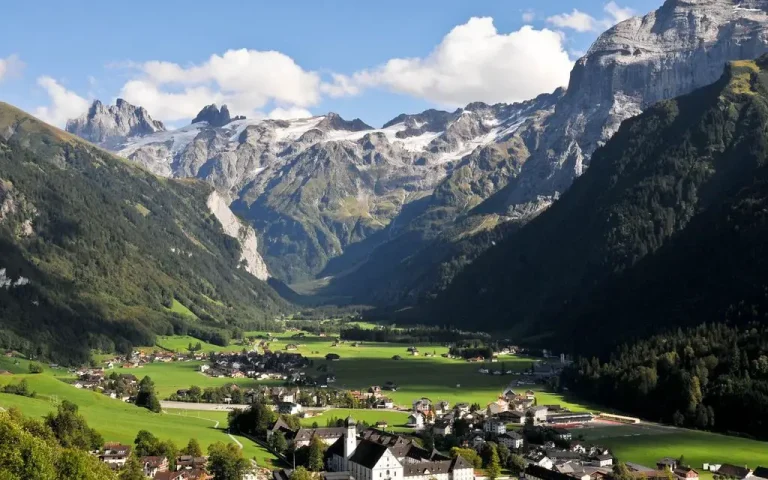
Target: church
[376,455]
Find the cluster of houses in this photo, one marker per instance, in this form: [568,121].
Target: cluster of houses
[187,467]
[276,365]
[121,386]
[375,454]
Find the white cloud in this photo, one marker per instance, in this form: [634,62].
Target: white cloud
[246,80]
[576,20]
[474,62]
[617,13]
[280,113]
[65,104]
[10,67]
[583,22]
[529,16]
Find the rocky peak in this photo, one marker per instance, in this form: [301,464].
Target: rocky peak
[333,121]
[111,125]
[213,116]
[674,50]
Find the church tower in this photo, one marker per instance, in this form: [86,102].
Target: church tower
[350,440]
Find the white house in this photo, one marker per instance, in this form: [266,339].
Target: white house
[512,440]
[494,426]
[495,408]
[416,420]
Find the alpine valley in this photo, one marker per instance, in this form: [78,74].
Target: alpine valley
[387,216]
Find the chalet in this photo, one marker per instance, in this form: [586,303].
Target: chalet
[442,407]
[603,460]
[462,407]
[686,473]
[728,470]
[477,442]
[512,440]
[375,391]
[495,426]
[189,462]
[328,435]
[510,416]
[495,408]
[421,405]
[668,463]
[153,465]
[384,402]
[115,454]
[288,408]
[442,428]
[416,420]
[539,414]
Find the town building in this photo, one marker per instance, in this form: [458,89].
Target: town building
[380,456]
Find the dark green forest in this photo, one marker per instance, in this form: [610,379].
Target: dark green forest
[97,250]
[709,377]
[666,228]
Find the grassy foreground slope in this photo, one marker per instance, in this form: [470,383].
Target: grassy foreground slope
[112,252]
[119,421]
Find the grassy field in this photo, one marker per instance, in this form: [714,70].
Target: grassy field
[119,421]
[435,377]
[647,443]
[396,420]
[172,376]
[180,308]
[180,343]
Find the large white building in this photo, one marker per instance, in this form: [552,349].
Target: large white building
[376,455]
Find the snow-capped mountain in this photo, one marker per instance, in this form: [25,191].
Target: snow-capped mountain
[682,46]
[111,125]
[314,186]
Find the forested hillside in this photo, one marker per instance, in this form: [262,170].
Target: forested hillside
[710,377]
[665,228]
[96,252]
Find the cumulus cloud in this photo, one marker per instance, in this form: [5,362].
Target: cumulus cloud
[583,22]
[10,67]
[474,62]
[246,80]
[65,104]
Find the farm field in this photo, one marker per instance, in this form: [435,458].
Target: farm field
[172,376]
[180,343]
[435,377]
[396,420]
[118,421]
[646,443]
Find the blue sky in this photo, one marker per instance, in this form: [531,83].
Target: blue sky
[371,60]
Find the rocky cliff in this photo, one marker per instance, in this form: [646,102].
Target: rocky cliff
[111,125]
[681,46]
[245,234]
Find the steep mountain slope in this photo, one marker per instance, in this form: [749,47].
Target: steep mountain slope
[679,47]
[665,228]
[669,52]
[95,251]
[313,187]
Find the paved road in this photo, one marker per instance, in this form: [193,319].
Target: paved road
[201,406]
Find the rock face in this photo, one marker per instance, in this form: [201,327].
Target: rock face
[245,234]
[111,125]
[213,116]
[312,187]
[681,46]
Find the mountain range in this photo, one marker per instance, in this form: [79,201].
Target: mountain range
[388,216]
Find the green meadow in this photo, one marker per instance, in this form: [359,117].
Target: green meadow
[647,443]
[395,420]
[119,421]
